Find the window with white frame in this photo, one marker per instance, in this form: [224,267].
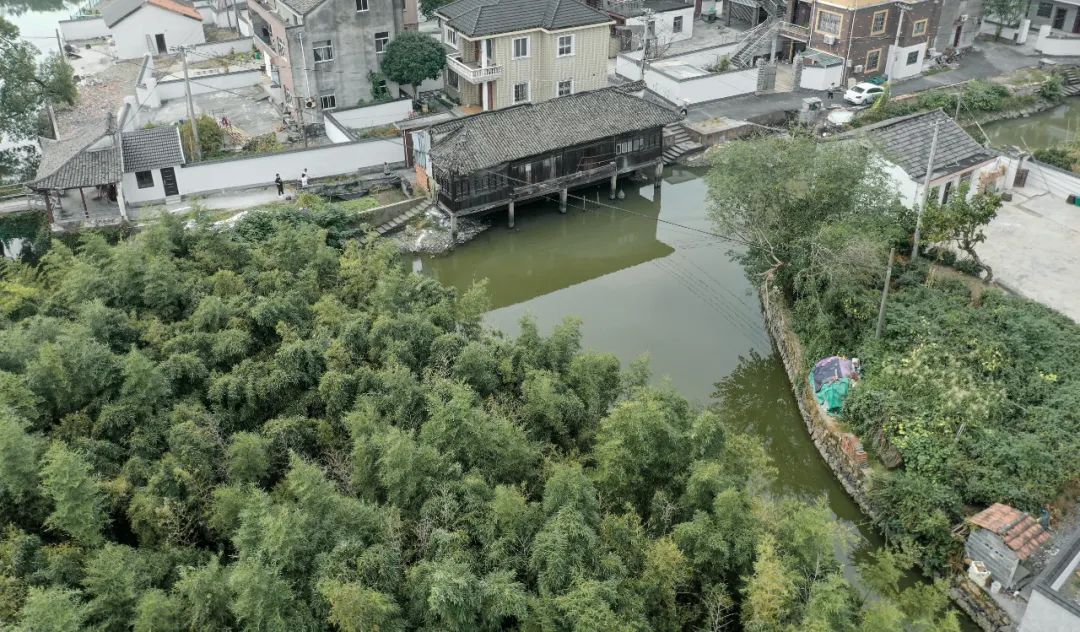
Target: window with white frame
[451,37]
[327,101]
[566,45]
[361,5]
[912,57]
[452,79]
[324,50]
[521,92]
[676,24]
[1045,9]
[919,28]
[521,47]
[382,38]
[566,88]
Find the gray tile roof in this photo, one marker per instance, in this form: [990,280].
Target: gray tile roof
[85,169]
[302,6]
[492,138]
[905,141]
[475,18]
[151,148]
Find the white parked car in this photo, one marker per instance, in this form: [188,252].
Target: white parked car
[863,93]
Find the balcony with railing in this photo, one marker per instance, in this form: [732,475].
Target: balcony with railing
[795,32]
[473,72]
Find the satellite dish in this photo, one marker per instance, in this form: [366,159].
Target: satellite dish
[310,103]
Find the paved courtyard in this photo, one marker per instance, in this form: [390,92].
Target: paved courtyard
[1034,248]
[248,109]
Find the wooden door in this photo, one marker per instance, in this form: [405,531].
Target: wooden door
[1059,18]
[168,180]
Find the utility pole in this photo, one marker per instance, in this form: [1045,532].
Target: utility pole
[884,294]
[196,148]
[60,45]
[959,98]
[236,15]
[925,192]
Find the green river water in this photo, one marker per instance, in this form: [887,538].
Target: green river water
[1057,126]
[641,285]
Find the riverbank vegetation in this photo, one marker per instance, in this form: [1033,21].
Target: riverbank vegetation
[978,100]
[972,394]
[279,427]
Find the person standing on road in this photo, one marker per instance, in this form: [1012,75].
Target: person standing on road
[280,185]
[303,179]
[830,92]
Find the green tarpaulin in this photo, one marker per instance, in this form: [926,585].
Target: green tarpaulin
[832,395]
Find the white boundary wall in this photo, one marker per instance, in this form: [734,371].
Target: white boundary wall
[374,115]
[240,45]
[214,176]
[174,88]
[1056,46]
[79,29]
[701,89]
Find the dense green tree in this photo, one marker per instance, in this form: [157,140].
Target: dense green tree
[19,454]
[280,427]
[412,57]
[78,506]
[51,609]
[27,85]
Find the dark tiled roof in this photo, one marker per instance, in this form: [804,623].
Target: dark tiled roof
[117,10]
[905,141]
[302,6]
[152,148]
[86,169]
[476,18]
[492,138]
[1021,533]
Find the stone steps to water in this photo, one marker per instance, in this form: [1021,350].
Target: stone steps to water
[673,153]
[402,219]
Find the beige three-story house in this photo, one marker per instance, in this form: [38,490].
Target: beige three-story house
[507,52]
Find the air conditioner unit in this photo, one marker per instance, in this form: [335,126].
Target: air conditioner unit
[858,69]
[830,39]
[964,18]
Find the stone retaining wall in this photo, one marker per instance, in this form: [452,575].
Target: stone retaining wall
[980,607]
[843,452]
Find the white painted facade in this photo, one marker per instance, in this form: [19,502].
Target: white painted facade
[821,77]
[137,34]
[904,62]
[670,26]
[993,173]
[86,28]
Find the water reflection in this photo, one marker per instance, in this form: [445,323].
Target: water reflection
[1055,127]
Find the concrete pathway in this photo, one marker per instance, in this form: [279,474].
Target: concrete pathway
[992,59]
[1033,245]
